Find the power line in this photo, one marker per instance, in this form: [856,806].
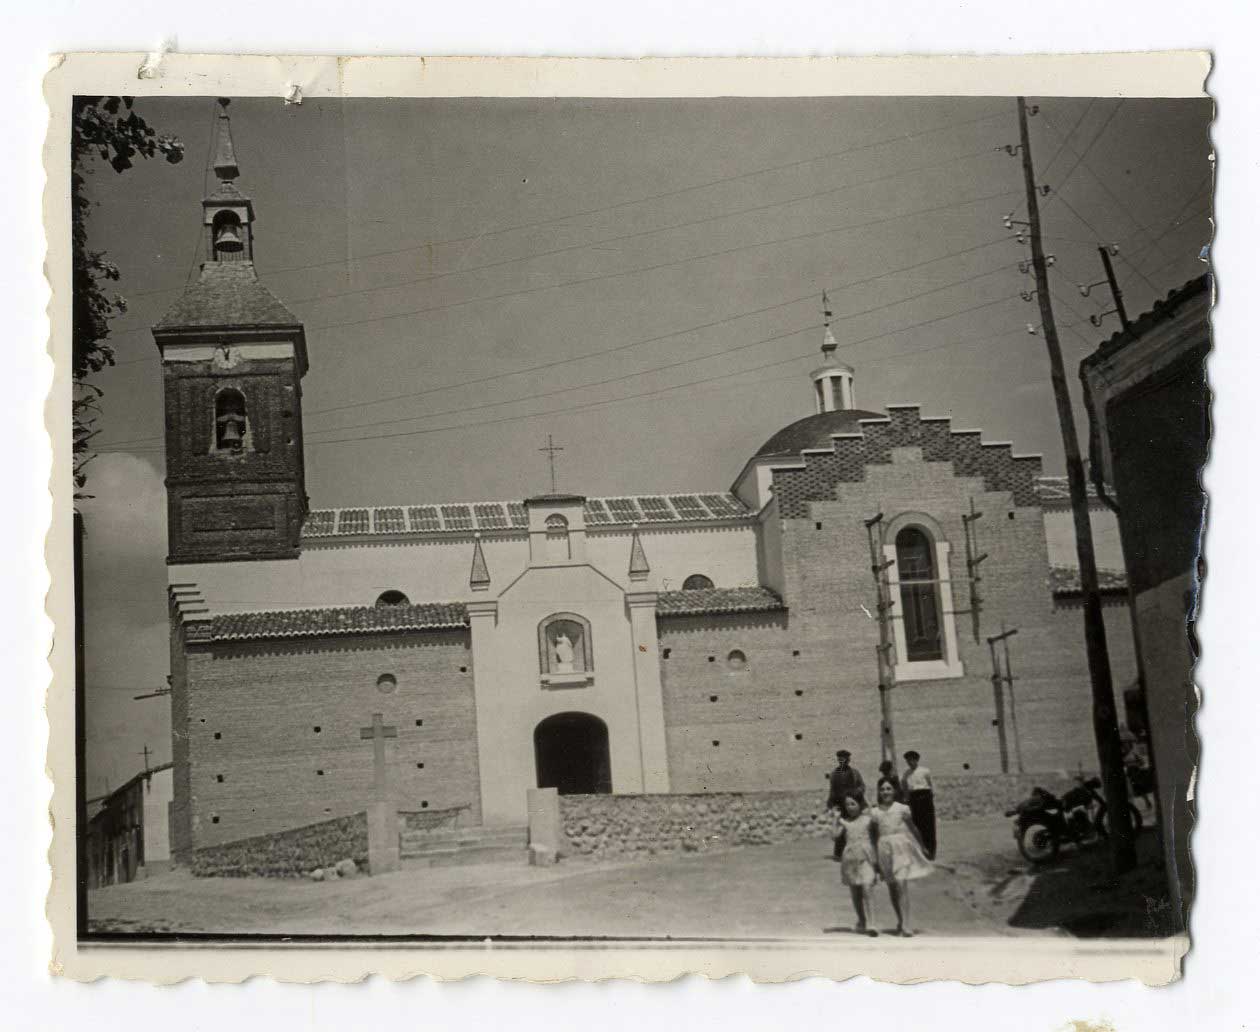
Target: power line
[667,336]
[1012,331]
[1081,155]
[625,272]
[663,368]
[900,138]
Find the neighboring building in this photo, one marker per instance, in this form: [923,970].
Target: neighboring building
[1149,394]
[129,834]
[657,643]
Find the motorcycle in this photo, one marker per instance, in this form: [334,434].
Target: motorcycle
[1044,822]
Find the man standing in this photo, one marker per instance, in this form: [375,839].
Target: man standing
[917,783]
[845,780]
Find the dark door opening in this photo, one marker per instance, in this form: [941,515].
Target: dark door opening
[571,754]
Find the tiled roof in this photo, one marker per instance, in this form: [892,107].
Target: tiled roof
[1066,580]
[717,600]
[464,517]
[311,623]
[227,294]
[1162,309]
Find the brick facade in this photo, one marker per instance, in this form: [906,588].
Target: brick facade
[249,711]
[245,505]
[808,683]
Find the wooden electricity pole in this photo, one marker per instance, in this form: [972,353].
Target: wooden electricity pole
[887,671]
[1106,726]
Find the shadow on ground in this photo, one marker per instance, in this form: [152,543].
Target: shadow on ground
[1081,896]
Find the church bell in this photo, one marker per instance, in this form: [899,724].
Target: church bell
[229,239]
[231,431]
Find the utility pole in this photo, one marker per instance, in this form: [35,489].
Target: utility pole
[1116,293]
[1106,726]
[883,651]
[1005,681]
[974,558]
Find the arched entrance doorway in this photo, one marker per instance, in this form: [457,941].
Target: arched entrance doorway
[571,754]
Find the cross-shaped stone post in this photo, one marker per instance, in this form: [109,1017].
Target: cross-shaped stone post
[382,811]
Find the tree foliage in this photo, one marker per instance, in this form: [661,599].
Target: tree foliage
[103,130]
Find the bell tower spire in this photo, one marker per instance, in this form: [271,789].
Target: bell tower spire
[233,358]
[833,381]
[228,213]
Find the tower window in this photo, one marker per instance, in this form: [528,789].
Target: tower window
[231,422]
[697,582]
[557,528]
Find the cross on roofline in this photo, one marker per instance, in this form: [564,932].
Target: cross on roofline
[551,450]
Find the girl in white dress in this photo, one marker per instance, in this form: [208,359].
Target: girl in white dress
[855,842]
[900,851]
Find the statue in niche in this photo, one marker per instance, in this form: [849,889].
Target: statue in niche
[563,647]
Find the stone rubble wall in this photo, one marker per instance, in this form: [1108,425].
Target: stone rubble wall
[608,826]
[288,854]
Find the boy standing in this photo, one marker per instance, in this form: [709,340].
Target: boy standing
[917,784]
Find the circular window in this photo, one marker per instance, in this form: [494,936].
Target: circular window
[736,660]
[696,582]
[387,683]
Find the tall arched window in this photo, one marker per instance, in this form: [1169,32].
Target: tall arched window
[696,582]
[231,422]
[920,605]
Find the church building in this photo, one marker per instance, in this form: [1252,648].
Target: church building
[455,654]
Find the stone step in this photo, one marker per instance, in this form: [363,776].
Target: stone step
[448,856]
[463,838]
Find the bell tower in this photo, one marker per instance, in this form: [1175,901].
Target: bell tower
[233,358]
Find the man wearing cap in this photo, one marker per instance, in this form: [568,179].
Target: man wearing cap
[917,783]
[845,781]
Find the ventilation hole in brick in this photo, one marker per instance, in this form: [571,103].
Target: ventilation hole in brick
[219,778]
[419,766]
[665,653]
[796,652]
[798,736]
[713,698]
[713,659]
[317,729]
[463,670]
[1010,515]
[818,526]
[218,735]
[966,766]
[214,819]
[424,804]
[320,773]
[419,723]
[799,693]
[327,809]
[716,743]
[203,720]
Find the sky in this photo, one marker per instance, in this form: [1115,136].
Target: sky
[640,279]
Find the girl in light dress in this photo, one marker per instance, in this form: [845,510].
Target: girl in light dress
[899,848]
[856,844]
